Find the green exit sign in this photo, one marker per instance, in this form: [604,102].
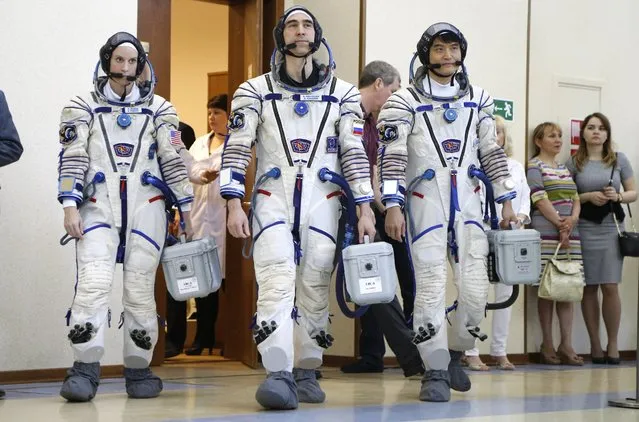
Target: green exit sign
[504,108]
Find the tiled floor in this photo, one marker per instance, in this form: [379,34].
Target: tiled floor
[223,391]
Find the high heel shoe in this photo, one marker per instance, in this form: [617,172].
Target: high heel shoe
[566,359]
[196,350]
[612,360]
[547,358]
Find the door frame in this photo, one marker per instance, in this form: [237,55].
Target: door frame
[250,26]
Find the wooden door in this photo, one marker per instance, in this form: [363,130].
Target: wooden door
[154,27]
[218,84]
[245,62]
[251,24]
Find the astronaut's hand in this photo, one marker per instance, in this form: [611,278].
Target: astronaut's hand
[237,222]
[366,222]
[508,215]
[208,175]
[188,228]
[395,224]
[506,225]
[73,222]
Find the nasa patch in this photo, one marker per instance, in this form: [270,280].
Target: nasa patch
[123,150]
[388,133]
[68,134]
[451,145]
[236,121]
[332,145]
[301,146]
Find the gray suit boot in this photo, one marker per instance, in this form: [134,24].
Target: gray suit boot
[308,389]
[141,383]
[435,386]
[278,391]
[459,380]
[81,382]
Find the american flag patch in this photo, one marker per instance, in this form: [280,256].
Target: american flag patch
[358,127]
[176,138]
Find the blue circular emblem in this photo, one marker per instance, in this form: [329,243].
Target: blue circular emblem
[301,108]
[450,115]
[390,133]
[124,120]
[68,134]
[236,121]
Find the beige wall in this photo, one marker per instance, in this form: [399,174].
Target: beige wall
[38,274]
[574,71]
[199,45]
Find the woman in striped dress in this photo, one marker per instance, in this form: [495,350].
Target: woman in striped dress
[556,211]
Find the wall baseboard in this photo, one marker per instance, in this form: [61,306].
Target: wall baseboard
[52,374]
[58,374]
[515,358]
[623,355]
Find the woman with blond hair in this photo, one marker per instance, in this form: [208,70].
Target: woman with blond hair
[599,173]
[556,207]
[521,206]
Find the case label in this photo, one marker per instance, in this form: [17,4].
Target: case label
[188,285]
[370,285]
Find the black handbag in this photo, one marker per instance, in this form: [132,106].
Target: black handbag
[597,213]
[628,241]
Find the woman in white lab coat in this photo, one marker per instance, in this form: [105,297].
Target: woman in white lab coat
[208,214]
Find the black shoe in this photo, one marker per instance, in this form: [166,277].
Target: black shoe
[171,351]
[1,394]
[414,371]
[613,361]
[196,350]
[362,366]
[598,361]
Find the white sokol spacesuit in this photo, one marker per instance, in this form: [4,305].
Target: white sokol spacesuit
[108,144]
[295,215]
[431,135]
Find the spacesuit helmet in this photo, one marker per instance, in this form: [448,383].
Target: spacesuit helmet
[278,32]
[319,52]
[449,33]
[444,30]
[106,51]
[144,76]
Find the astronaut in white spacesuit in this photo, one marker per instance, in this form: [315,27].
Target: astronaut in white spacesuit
[116,157]
[301,119]
[434,133]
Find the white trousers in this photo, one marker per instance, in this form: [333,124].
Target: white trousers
[283,285]
[500,325]
[96,259]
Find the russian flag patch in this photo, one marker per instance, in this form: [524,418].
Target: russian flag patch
[358,127]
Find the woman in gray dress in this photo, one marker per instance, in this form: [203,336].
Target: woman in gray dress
[599,173]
